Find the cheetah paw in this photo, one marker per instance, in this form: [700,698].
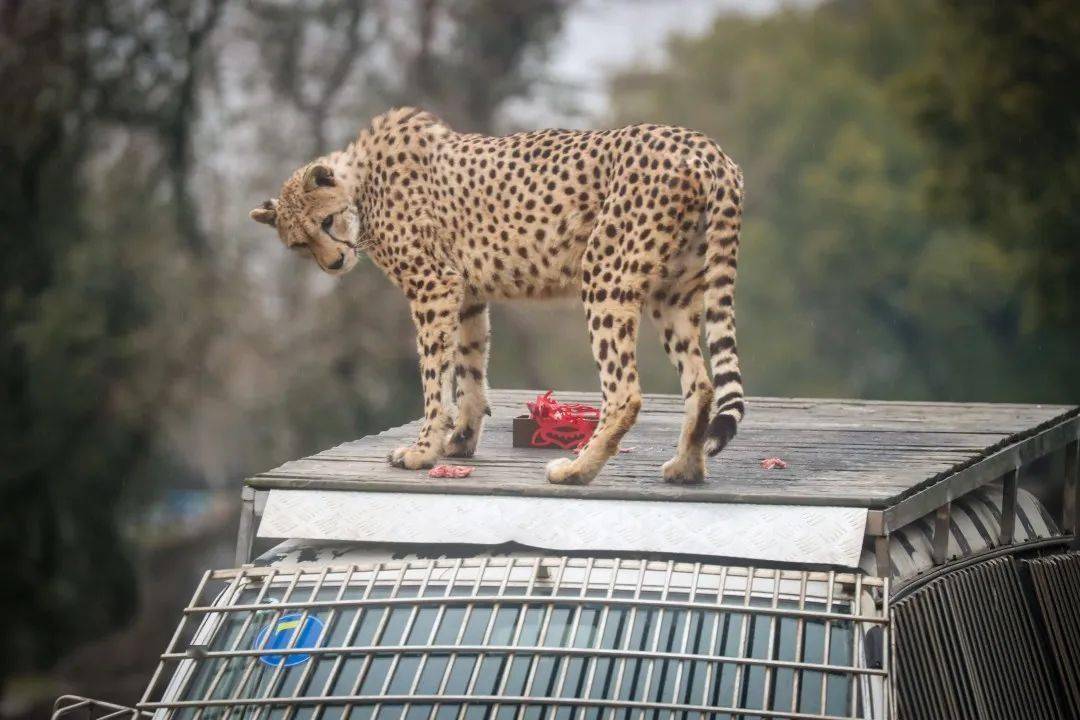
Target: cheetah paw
[684,471]
[462,442]
[411,457]
[561,471]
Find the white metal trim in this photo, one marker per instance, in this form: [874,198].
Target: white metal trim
[774,533]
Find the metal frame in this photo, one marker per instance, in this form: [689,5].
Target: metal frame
[251,504]
[605,588]
[1010,481]
[968,644]
[942,530]
[987,470]
[1005,465]
[82,707]
[900,590]
[1056,580]
[1071,500]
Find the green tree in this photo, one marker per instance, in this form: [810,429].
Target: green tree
[996,98]
[493,56]
[85,365]
[59,446]
[849,285]
[142,345]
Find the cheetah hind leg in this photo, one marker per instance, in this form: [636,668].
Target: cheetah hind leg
[679,328]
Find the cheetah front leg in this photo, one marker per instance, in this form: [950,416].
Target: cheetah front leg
[471,395]
[435,314]
[613,333]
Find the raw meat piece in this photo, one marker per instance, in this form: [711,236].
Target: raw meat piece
[450,471]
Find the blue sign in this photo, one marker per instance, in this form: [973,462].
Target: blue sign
[281,636]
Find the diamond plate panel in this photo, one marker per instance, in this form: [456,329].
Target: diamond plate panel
[778,533]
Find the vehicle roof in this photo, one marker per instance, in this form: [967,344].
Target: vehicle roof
[845,453]
[855,468]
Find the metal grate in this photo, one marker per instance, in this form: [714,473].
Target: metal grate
[76,707]
[524,639]
[1056,581]
[967,646]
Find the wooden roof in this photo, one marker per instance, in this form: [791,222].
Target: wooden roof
[853,453]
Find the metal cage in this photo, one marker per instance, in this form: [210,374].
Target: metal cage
[527,638]
[77,707]
[997,639]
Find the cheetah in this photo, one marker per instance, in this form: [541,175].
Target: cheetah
[643,218]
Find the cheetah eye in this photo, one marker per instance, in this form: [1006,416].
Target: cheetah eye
[327,223]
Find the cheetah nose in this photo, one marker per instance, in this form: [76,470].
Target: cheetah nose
[337,264]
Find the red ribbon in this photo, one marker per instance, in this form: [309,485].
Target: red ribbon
[565,425]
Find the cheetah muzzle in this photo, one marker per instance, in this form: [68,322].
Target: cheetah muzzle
[642,219]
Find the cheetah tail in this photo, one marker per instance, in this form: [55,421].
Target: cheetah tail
[723,212]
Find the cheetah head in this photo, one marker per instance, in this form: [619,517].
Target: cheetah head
[315,217]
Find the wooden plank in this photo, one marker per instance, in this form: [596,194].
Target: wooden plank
[808,482]
[797,461]
[852,453]
[719,493]
[938,422]
[497,439]
[664,433]
[505,395]
[827,408]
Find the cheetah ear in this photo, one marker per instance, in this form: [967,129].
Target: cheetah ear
[266,213]
[318,176]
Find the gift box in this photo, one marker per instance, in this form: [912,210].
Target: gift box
[555,425]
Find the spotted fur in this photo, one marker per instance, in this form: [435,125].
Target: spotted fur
[642,218]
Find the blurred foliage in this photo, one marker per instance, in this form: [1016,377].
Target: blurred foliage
[851,282]
[151,337]
[910,232]
[996,98]
[493,54]
[66,422]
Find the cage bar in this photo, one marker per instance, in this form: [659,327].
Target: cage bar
[511,633]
